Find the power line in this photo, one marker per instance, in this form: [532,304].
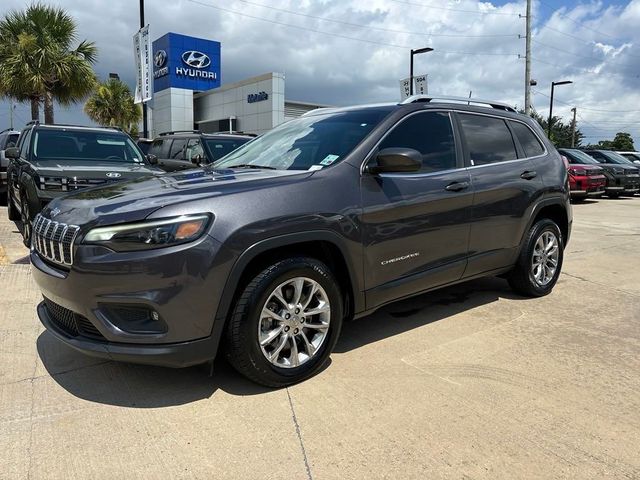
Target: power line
[369,27]
[424,5]
[586,72]
[309,29]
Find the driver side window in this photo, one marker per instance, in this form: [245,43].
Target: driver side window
[431,134]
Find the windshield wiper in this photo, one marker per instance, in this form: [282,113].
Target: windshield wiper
[250,165]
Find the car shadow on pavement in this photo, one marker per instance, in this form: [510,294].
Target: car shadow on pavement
[405,315]
[137,386]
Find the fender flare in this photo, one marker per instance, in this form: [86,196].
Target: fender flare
[27,185]
[545,202]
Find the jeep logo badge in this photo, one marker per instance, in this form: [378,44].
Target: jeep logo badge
[196,59]
[114,175]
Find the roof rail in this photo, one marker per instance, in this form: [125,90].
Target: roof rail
[179,131]
[8,130]
[468,101]
[34,122]
[234,132]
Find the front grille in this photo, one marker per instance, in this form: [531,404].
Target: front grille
[64,184]
[53,240]
[70,322]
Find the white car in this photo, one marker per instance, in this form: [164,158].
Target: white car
[633,156]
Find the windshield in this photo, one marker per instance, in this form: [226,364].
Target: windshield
[307,142]
[578,156]
[85,145]
[219,147]
[617,158]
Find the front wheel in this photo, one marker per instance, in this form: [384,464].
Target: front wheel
[540,260]
[12,211]
[25,218]
[613,194]
[286,322]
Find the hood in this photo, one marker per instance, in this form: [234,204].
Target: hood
[92,168]
[134,200]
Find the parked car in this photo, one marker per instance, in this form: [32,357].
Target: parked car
[190,149]
[324,218]
[631,156]
[51,160]
[586,181]
[8,139]
[617,179]
[629,170]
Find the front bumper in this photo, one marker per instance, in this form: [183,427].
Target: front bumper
[182,285]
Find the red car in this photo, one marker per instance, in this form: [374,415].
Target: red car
[586,181]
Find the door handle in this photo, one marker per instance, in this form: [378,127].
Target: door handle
[456,186]
[529,174]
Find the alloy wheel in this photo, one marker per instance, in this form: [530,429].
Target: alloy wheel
[294,322]
[545,257]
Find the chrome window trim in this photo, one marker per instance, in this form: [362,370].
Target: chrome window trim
[404,175]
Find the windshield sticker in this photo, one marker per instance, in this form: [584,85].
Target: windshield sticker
[329,159]
[313,168]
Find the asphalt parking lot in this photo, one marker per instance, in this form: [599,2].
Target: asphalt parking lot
[468,382]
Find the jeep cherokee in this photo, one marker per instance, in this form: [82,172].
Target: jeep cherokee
[326,217]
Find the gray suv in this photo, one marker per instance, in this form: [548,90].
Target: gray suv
[8,139]
[325,218]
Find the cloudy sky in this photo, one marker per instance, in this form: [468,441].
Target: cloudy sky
[344,52]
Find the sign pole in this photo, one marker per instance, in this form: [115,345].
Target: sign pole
[145,131]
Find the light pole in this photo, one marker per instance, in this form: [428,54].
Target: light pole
[553,85]
[415,52]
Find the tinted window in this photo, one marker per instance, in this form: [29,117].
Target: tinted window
[160,147]
[218,148]
[488,139]
[528,141]
[12,140]
[26,145]
[598,156]
[178,148]
[429,133]
[84,145]
[194,148]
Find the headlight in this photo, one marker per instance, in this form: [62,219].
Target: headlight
[150,234]
[577,171]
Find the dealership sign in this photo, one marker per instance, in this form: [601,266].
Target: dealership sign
[180,61]
[257,97]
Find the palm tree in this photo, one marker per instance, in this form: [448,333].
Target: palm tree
[38,62]
[112,105]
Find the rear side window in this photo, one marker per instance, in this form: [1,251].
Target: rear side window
[160,147]
[488,139]
[178,149]
[431,134]
[528,140]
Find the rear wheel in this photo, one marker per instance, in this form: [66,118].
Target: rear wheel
[540,260]
[286,322]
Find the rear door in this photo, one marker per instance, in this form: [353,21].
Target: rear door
[416,225]
[505,185]
[160,148]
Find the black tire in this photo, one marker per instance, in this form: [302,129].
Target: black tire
[242,344]
[12,211]
[26,218]
[521,278]
[613,194]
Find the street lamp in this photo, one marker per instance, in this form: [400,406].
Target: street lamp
[553,85]
[416,52]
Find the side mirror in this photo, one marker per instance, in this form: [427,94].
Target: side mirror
[396,160]
[152,159]
[196,159]
[12,152]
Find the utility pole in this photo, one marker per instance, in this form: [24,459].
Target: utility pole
[11,113]
[527,63]
[573,128]
[145,131]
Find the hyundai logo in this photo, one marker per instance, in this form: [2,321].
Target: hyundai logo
[196,59]
[114,175]
[160,58]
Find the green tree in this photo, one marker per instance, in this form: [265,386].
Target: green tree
[38,62]
[622,142]
[560,132]
[111,105]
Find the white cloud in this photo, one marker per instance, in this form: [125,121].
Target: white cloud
[590,43]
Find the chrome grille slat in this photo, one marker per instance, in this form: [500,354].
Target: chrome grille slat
[54,240]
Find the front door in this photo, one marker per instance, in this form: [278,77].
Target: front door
[416,225]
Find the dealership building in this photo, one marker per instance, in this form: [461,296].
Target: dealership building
[189,93]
